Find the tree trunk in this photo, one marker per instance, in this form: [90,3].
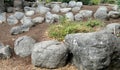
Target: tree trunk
[2,6]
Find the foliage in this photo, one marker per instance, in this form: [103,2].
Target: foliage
[94,23]
[95,2]
[118,3]
[59,31]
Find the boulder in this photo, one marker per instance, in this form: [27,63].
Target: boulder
[64,5]
[79,4]
[114,14]
[26,8]
[19,15]
[2,18]
[56,9]
[115,7]
[65,10]
[23,46]
[27,21]
[5,51]
[42,10]
[75,9]
[69,16]
[91,51]
[86,13]
[30,13]
[2,8]
[49,54]
[38,20]
[113,28]
[78,17]
[16,30]
[10,9]
[12,20]
[56,17]
[72,4]
[101,13]
[49,17]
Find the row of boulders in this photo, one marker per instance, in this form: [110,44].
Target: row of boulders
[87,51]
[51,13]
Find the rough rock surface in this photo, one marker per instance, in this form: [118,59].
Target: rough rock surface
[65,10]
[38,20]
[49,17]
[78,17]
[19,15]
[69,16]
[2,18]
[23,46]
[12,20]
[56,9]
[101,13]
[114,14]
[72,4]
[91,51]
[49,54]
[5,51]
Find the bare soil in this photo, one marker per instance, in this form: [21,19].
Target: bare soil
[38,33]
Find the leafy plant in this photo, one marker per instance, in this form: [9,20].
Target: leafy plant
[94,23]
[95,2]
[61,30]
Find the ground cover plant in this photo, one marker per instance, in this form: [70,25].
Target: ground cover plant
[59,31]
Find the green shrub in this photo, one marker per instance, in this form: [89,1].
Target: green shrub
[94,23]
[59,31]
[118,3]
[95,2]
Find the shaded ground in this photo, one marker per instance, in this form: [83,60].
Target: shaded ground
[38,33]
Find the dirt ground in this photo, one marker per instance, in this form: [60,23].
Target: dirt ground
[38,33]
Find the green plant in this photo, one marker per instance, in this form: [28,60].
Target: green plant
[61,30]
[94,23]
[95,2]
[118,3]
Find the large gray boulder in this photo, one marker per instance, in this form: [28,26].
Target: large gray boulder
[65,10]
[2,7]
[91,51]
[38,20]
[2,18]
[11,20]
[49,54]
[69,16]
[64,5]
[27,21]
[56,9]
[79,4]
[10,9]
[101,13]
[5,51]
[19,15]
[114,14]
[49,17]
[72,4]
[15,30]
[23,46]
[30,13]
[78,17]
[86,13]
[42,10]
[56,17]
[113,28]
[75,9]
